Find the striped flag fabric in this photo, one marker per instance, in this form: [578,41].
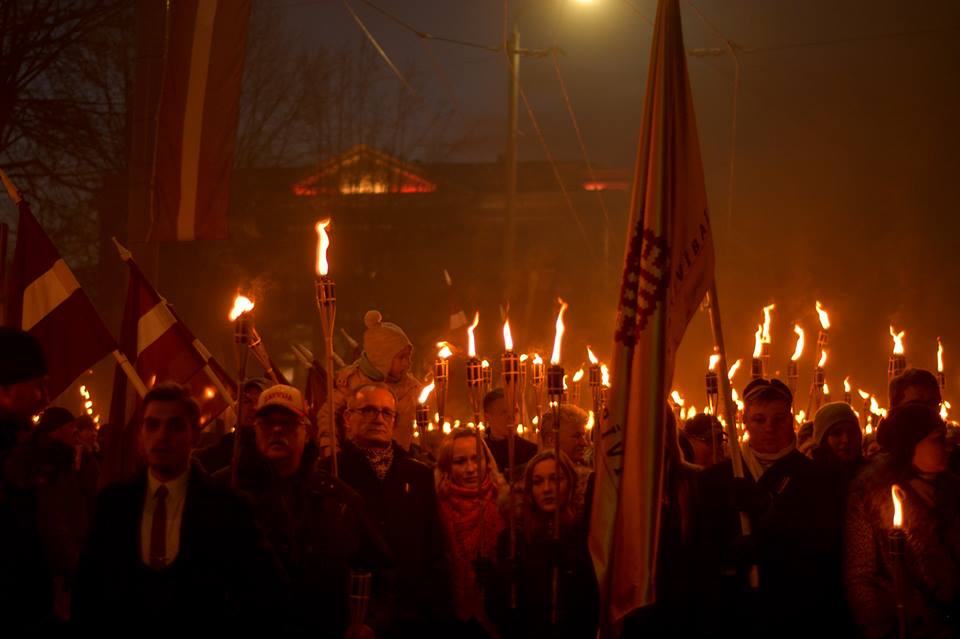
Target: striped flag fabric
[197,119]
[45,299]
[669,267]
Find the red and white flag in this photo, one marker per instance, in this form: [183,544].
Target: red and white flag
[45,299]
[197,119]
[669,267]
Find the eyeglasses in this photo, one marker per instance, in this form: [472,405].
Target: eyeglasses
[370,412]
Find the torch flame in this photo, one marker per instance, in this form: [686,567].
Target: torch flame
[591,420]
[323,243]
[524,357]
[485,364]
[897,341]
[864,395]
[241,305]
[826,389]
[605,375]
[874,405]
[675,396]
[471,340]
[425,393]
[939,356]
[593,358]
[733,370]
[578,375]
[558,336]
[445,351]
[945,410]
[766,322]
[824,318]
[714,359]
[758,342]
[798,351]
[823,358]
[846,384]
[565,382]
[897,494]
[507,336]
[537,359]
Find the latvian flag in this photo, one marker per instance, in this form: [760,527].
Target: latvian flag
[197,119]
[45,299]
[162,349]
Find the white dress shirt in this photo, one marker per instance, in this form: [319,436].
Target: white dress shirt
[177,492]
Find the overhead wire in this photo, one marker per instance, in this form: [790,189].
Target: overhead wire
[376,45]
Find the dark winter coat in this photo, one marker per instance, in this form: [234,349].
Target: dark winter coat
[320,531]
[931,514]
[224,578]
[795,517]
[523,451]
[404,507]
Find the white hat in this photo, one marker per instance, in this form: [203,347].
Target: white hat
[282,396]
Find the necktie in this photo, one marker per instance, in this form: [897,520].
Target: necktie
[158,530]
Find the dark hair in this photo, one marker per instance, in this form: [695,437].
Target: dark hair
[912,377]
[491,397]
[173,392]
[686,448]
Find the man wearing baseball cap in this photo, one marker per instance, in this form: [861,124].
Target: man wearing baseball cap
[219,455]
[794,542]
[316,524]
[26,589]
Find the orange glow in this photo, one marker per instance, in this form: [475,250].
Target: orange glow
[471,340]
[675,396]
[733,370]
[939,356]
[864,395]
[605,375]
[593,358]
[578,375]
[537,359]
[897,341]
[826,389]
[524,357]
[446,350]
[485,364]
[507,336]
[758,342]
[897,494]
[945,410]
[846,384]
[714,360]
[824,318]
[798,351]
[558,336]
[241,305]
[209,392]
[425,393]
[766,322]
[875,406]
[823,359]
[323,243]
[591,420]
[565,387]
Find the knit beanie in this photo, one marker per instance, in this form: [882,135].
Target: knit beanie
[830,415]
[21,357]
[905,427]
[382,341]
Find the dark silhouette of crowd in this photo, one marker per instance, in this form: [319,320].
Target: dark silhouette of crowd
[451,540]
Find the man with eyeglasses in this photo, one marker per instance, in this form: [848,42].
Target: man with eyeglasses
[316,524]
[398,492]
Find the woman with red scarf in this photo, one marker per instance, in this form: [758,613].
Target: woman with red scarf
[469,494]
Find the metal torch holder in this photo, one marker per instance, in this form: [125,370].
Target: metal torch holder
[510,367]
[897,545]
[595,379]
[536,380]
[793,376]
[475,386]
[441,375]
[487,373]
[326,295]
[555,396]
[242,331]
[423,418]
[942,381]
[713,390]
[896,366]
[756,368]
[765,358]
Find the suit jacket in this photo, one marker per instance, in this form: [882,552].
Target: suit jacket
[404,505]
[225,576]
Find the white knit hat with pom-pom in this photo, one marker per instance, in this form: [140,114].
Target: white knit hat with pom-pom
[382,341]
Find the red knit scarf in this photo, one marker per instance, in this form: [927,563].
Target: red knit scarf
[472,523]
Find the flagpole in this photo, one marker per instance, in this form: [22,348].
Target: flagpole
[131,373]
[713,310]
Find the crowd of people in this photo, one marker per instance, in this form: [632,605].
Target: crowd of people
[269,529]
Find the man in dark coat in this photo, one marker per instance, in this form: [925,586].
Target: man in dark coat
[26,587]
[399,494]
[315,523]
[499,420]
[174,549]
[794,516]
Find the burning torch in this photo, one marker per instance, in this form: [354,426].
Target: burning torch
[555,395]
[823,336]
[847,396]
[423,411]
[897,539]
[242,317]
[713,383]
[441,376]
[678,402]
[941,378]
[487,374]
[575,387]
[793,368]
[898,358]
[536,380]
[327,308]
[474,371]
[865,414]
[756,364]
[765,338]
[819,381]
[593,380]
[510,366]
